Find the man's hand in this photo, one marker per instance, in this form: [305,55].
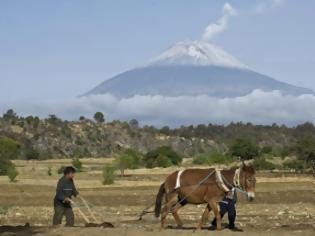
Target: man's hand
[67,200]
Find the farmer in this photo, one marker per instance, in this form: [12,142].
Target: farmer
[62,202]
[227,204]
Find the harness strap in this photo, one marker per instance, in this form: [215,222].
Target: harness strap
[178,179]
[236,179]
[220,181]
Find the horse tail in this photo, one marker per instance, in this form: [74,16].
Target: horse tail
[158,201]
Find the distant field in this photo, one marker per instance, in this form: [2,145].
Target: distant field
[285,203]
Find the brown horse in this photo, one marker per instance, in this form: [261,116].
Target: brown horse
[198,186]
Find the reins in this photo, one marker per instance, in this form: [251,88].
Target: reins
[238,188]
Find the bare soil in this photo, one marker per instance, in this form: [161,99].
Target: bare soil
[285,204]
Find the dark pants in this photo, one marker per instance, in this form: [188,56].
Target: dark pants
[61,211]
[227,205]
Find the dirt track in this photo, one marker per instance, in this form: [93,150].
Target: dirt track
[283,205]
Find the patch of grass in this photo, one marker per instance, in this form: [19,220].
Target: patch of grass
[4,210]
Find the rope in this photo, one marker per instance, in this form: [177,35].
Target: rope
[233,186]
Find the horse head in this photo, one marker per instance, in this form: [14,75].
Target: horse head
[248,180]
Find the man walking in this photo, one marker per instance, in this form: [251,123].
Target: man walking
[227,205]
[62,201]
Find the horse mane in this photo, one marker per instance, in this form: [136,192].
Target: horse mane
[249,168]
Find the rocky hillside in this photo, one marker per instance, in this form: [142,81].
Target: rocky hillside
[56,138]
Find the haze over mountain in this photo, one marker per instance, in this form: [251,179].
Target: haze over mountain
[193,68]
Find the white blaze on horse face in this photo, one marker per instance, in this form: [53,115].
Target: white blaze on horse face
[251,195]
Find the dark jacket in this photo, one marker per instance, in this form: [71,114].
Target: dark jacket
[65,188]
[231,195]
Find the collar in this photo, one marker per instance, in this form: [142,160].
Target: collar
[220,181]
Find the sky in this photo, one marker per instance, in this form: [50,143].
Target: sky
[53,51]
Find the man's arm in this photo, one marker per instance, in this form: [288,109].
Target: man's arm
[59,191]
[75,192]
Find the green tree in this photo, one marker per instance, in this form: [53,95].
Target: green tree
[134,124]
[9,148]
[244,148]
[54,120]
[305,149]
[10,115]
[129,159]
[99,117]
[108,174]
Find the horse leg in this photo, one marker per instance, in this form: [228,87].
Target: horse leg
[204,216]
[170,202]
[176,216]
[216,210]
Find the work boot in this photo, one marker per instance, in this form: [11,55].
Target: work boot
[235,229]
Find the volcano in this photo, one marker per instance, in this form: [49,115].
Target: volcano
[193,68]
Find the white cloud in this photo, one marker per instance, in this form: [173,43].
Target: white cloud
[221,24]
[258,107]
[264,6]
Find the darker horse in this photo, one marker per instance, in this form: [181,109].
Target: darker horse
[198,186]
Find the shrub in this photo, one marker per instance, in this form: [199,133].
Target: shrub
[49,171]
[31,154]
[163,161]
[77,164]
[305,149]
[201,159]
[210,159]
[266,150]
[12,173]
[297,165]
[151,157]
[5,165]
[262,164]
[244,148]
[108,174]
[61,169]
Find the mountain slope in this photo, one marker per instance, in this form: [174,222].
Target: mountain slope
[191,69]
